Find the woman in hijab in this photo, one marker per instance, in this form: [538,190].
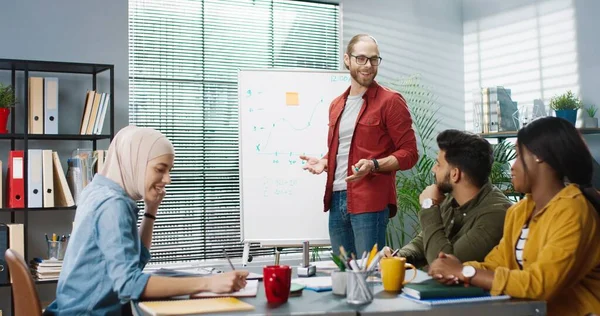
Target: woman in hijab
[102,269]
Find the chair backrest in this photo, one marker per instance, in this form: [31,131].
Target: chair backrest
[25,295]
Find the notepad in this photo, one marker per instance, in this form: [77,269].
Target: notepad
[456,300]
[198,306]
[250,290]
[325,266]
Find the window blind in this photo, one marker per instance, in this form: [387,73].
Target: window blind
[183,61]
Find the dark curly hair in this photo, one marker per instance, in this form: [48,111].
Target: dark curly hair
[468,152]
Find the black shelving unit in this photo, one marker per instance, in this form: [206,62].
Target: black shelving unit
[27,67]
[513,134]
[74,137]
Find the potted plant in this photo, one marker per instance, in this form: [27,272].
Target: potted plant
[566,106]
[591,121]
[7,101]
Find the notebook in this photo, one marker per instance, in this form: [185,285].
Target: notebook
[455,300]
[196,271]
[199,306]
[250,290]
[433,289]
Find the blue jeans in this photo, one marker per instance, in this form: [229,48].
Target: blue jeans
[356,232]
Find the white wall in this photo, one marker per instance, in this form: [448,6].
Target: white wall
[73,31]
[528,46]
[539,48]
[416,37]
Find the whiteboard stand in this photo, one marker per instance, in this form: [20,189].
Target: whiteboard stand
[306,269]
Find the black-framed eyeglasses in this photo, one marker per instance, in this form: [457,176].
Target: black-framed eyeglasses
[362,60]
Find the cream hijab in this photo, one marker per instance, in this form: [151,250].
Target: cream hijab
[128,156]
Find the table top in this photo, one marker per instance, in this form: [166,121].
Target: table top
[384,303]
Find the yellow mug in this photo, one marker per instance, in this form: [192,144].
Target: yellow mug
[392,273]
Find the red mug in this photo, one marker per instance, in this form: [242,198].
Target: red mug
[277,280]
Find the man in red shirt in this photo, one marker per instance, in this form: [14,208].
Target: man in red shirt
[370,138]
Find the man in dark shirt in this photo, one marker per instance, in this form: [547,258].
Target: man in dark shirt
[463,213]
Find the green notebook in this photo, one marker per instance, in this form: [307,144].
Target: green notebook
[433,289]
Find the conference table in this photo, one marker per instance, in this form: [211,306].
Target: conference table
[384,303]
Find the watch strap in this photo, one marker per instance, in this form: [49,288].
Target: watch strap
[375,165]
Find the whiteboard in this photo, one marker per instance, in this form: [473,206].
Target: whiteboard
[283,114]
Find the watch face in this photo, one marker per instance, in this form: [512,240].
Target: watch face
[427,203]
[468,271]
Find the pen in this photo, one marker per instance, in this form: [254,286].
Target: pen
[227,257]
[46,237]
[343,253]
[395,252]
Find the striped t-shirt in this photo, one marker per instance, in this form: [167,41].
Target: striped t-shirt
[521,244]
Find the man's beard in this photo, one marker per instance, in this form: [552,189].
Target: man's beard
[362,81]
[445,186]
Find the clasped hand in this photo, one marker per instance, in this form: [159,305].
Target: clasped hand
[446,269]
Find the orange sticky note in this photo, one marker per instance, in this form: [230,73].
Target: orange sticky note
[291,98]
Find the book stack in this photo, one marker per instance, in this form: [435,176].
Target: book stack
[45,270]
[431,292]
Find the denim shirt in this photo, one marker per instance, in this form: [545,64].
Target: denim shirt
[102,269]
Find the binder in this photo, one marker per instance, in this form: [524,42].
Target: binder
[85,119]
[34,178]
[62,193]
[3,248]
[94,113]
[99,113]
[36,105]
[102,114]
[15,180]
[48,178]
[1,190]
[50,105]
[16,239]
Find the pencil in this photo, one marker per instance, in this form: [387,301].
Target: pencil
[228,260]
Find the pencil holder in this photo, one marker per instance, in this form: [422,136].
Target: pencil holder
[358,290]
[62,247]
[53,249]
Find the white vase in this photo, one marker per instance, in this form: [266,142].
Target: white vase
[590,122]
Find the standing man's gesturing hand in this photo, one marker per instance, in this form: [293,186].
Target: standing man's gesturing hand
[360,169]
[314,165]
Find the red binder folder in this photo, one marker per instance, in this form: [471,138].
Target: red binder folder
[15,180]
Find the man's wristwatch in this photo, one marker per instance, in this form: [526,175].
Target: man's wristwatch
[375,165]
[468,272]
[427,203]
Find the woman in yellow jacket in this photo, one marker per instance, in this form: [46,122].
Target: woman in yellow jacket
[550,249]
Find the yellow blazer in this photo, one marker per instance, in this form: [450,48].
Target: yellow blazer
[561,259]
